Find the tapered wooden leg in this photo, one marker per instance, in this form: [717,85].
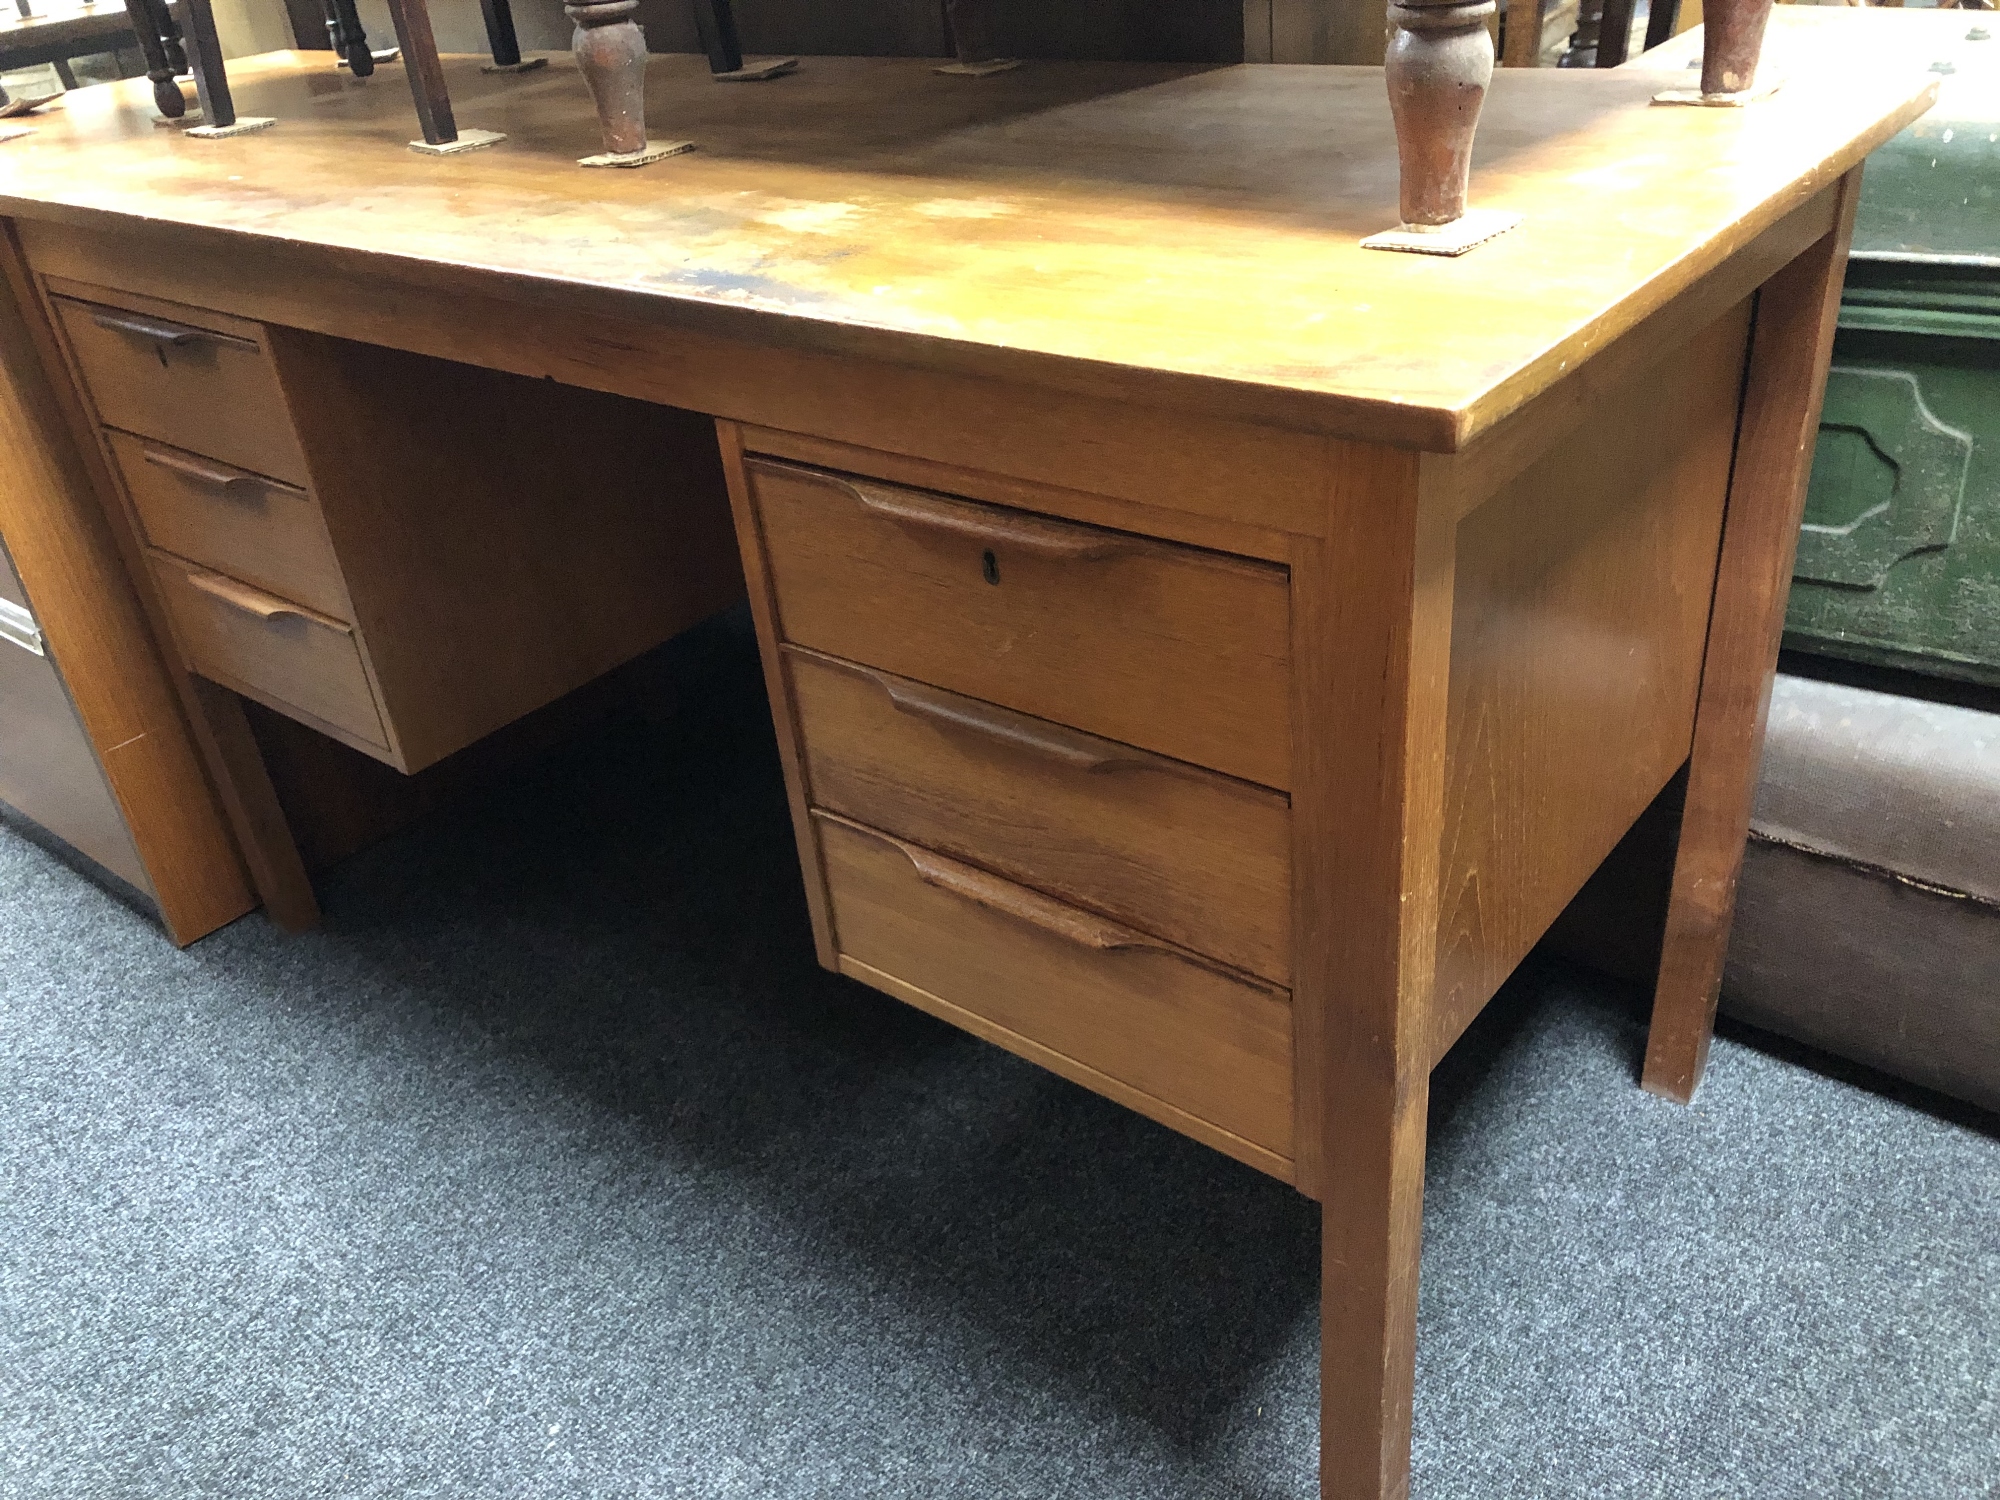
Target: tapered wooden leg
[1732,44]
[251,803]
[1371,1231]
[1791,344]
[414,35]
[211,77]
[611,52]
[1371,661]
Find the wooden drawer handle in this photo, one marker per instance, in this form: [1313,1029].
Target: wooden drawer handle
[160,331]
[236,484]
[1080,752]
[1024,905]
[252,601]
[1027,534]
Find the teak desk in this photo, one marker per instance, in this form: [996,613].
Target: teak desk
[1206,655]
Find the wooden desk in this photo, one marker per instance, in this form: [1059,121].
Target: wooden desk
[1206,654]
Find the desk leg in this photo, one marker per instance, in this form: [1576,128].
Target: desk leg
[1371,668]
[1791,343]
[251,802]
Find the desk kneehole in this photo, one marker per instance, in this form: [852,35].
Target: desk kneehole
[1173,1036]
[286,656]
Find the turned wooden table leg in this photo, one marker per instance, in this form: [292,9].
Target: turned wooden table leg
[148,26]
[1439,64]
[970,23]
[611,53]
[349,37]
[1732,43]
[1791,343]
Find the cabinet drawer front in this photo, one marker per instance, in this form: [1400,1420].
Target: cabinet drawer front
[233,521]
[280,652]
[1178,651]
[1182,853]
[1141,1014]
[200,382]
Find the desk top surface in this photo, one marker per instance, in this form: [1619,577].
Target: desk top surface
[1194,226]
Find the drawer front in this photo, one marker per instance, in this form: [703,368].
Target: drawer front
[1218,1048]
[1184,854]
[271,648]
[233,521]
[207,389]
[1151,644]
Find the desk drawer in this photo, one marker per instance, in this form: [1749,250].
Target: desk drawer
[291,657]
[198,380]
[236,522]
[1176,650]
[1134,1010]
[1184,854]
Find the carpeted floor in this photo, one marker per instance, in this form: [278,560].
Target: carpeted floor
[552,1166]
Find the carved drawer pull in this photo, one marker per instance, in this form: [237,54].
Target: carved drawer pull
[160,331]
[1028,534]
[1065,747]
[1024,905]
[236,484]
[253,601]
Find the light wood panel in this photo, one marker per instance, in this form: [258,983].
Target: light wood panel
[1175,851]
[1188,1035]
[503,541]
[1792,341]
[1577,635]
[1177,651]
[124,696]
[1082,227]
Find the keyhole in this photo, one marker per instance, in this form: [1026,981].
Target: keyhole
[989,566]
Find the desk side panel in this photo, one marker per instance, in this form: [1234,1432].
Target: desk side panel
[1582,603]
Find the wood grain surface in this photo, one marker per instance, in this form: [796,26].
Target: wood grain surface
[1189,236]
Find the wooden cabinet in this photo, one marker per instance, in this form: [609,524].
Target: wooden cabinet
[401,552]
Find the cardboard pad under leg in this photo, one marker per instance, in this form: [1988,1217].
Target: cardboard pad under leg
[758,72]
[468,140]
[1473,227]
[177,122]
[14,132]
[525,65]
[1763,88]
[979,69]
[386,55]
[26,105]
[654,151]
[243,126]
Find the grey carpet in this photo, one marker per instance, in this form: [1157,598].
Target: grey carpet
[551,1166]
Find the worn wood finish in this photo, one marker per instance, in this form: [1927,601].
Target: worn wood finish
[1577,632]
[1791,343]
[94,625]
[183,376]
[1083,227]
[1001,605]
[261,530]
[1187,1035]
[1184,854]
